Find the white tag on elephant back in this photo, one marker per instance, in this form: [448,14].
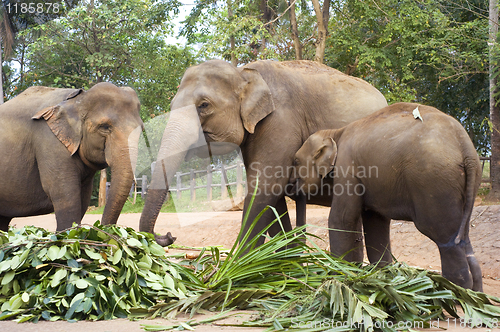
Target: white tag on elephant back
[416,114]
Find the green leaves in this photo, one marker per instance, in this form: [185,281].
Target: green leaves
[88,272]
[58,277]
[9,276]
[53,253]
[117,256]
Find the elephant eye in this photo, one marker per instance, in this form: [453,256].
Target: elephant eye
[105,127]
[204,105]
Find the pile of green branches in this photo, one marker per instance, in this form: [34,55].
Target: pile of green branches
[102,272]
[304,287]
[86,272]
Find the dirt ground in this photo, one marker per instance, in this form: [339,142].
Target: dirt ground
[221,228]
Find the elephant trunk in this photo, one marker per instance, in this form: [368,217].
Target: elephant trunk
[182,133]
[122,159]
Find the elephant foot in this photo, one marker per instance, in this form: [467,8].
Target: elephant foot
[454,265]
[165,240]
[475,268]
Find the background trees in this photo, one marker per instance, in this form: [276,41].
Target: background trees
[429,51]
[494,99]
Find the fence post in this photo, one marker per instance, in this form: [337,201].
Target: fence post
[209,182]
[223,188]
[179,185]
[132,189]
[239,179]
[192,185]
[483,160]
[144,186]
[153,165]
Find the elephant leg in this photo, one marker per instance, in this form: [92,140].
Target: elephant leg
[454,264]
[377,237]
[252,212]
[264,196]
[67,203]
[285,225]
[67,213]
[267,218]
[346,234]
[475,268]
[4,223]
[86,194]
[300,212]
[441,223]
[63,185]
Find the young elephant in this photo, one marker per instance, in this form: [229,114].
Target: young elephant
[407,162]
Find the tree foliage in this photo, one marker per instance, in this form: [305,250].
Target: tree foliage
[119,41]
[211,24]
[423,51]
[157,71]
[18,15]
[94,42]
[429,51]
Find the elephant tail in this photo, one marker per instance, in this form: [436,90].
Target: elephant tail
[471,166]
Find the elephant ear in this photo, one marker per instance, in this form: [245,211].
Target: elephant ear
[64,121]
[325,156]
[74,94]
[256,99]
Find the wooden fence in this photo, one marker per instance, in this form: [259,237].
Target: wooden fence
[187,181]
[209,172]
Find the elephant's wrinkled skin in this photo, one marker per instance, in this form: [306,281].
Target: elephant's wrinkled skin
[267,109]
[391,165]
[52,142]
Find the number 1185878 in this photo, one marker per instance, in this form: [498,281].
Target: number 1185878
[32,8]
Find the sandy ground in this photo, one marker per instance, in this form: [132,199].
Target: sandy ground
[221,228]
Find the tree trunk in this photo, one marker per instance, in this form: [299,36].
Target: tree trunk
[1,74]
[266,17]
[351,68]
[322,18]
[98,72]
[494,194]
[102,188]
[297,45]
[234,60]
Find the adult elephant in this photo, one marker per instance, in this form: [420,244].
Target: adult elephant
[267,109]
[52,142]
